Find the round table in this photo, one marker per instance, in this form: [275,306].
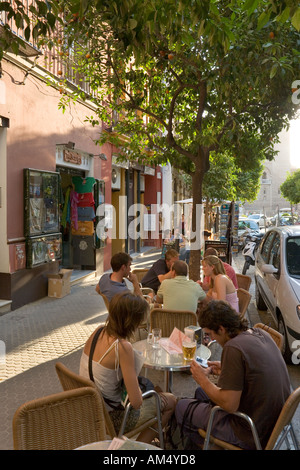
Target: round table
[104,445]
[160,359]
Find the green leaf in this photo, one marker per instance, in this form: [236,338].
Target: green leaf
[5,6]
[250,5]
[296,19]
[27,33]
[263,19]
[51,20]
[15,47]
[284,16]
[273,70]
[132,23]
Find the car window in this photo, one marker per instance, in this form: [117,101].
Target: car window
[253,225]
[275,252]
[293,255]
[266,246]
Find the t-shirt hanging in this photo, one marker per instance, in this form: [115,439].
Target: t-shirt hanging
[83,185]
[85,200]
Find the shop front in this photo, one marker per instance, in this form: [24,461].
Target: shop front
[60,214]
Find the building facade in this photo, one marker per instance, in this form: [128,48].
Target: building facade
[270,199]
[46,156]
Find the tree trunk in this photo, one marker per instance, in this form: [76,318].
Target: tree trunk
[201,167]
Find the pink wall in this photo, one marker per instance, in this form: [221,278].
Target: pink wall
[36,126]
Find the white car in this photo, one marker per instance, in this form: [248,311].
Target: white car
[259,218]
[277,284]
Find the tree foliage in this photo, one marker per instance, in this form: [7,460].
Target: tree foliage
[290,189]
[204,84]
[190,82]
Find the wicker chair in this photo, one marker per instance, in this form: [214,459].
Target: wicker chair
[167,320]
[69,381]
[106,301]
[62,421]
[140,273]
[281,430]
[277,337]
[243,281]
[244,300]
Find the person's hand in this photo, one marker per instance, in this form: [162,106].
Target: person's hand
[215,367]
[205,286]
[133,278]
[199,372]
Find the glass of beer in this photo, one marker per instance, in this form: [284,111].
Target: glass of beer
[189,347]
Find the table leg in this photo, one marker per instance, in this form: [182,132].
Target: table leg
[168,381]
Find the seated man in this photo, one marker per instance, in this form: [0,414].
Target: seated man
[179,292]
[115,282]
[160,270]
[253,378]
[230,272]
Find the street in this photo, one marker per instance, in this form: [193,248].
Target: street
[38,335]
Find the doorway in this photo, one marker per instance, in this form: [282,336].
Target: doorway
[78,251]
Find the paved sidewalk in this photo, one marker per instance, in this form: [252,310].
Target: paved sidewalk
[38,335]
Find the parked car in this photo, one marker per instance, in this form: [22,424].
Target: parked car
[260,219]
[277,282]
[246,225]
[285,218]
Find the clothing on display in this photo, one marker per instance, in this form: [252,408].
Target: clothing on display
[85,227]
[86,213]
[83,185]
[85,200]
[83,250]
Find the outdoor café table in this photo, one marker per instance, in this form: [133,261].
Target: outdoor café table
[160,359]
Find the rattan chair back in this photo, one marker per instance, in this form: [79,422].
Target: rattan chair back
[70,380]
[244,300]
[282,430]
[243,281]
[277,337]
[140,273]
[106,301]
[284,421]
[167,320]
[62,421]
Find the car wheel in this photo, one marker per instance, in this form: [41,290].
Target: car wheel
[286,352]
[260,303]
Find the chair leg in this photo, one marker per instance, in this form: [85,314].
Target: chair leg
[158,415]
[288,430]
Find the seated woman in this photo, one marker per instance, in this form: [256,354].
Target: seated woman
[114,360]
[221,287]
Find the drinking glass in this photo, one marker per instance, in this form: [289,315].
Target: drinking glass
[156,332]
[189,347]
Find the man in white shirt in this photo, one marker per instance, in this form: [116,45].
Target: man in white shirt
[179,292]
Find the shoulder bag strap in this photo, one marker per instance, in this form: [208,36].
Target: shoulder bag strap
[93,345]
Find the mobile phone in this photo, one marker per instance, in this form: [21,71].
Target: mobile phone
[202,362]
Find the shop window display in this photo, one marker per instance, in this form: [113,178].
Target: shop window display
[41,217]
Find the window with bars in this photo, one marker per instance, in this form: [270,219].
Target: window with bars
[60,61]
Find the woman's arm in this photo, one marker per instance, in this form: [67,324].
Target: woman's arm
[127,365]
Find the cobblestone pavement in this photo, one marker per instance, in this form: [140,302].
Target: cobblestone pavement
[38,335]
